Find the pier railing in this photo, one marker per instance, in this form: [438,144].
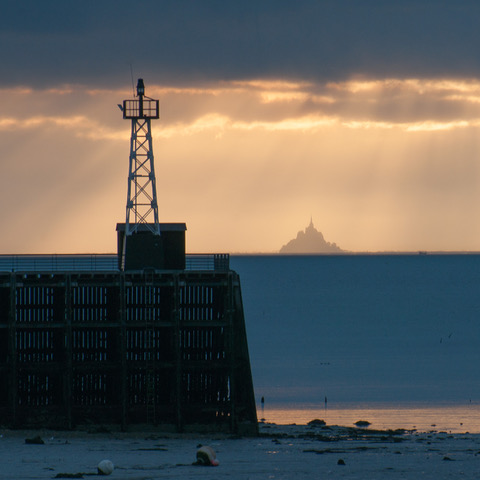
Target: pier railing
[207,261]
[99,262]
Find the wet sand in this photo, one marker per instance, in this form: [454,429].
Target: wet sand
[280,452]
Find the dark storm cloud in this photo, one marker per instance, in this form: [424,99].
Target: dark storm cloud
[185,41]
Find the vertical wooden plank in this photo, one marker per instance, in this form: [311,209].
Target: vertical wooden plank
[149,347]
[231,351]
[12,353]
[67,379]
[177,352]
[123,350]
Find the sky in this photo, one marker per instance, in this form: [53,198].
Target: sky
[362,115]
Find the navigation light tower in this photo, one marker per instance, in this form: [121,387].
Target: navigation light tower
[140,245]
[142,207]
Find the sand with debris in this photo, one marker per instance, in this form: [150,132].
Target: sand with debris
[280,452]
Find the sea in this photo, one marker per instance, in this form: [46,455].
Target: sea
[393,340]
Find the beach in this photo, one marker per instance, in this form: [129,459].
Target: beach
[279,452]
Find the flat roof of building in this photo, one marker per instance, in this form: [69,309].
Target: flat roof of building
[165,227]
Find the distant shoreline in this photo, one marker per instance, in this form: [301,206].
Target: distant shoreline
[343,254]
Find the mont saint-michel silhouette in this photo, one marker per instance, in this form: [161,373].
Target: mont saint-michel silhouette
[310,241]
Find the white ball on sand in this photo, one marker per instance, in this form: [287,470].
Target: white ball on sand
[105,467]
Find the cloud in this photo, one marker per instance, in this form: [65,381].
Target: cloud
[409,104]
[186,42]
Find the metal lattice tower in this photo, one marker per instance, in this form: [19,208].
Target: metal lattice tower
[142,207]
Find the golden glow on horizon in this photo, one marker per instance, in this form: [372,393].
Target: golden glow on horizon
[86,128]
[39,121]
[435,126]
[304,124]
[385,164]
[464,98]
[272,96]
[368,125]
[420,86]
[278,85]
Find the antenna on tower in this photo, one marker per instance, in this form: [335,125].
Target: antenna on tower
[131,75]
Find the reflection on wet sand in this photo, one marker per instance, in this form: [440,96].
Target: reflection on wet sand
[454,419]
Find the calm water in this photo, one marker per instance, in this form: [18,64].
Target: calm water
[365,331]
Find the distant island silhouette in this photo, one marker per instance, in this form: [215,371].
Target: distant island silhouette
[310,241]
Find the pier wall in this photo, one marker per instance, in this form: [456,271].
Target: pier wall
[160,348]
